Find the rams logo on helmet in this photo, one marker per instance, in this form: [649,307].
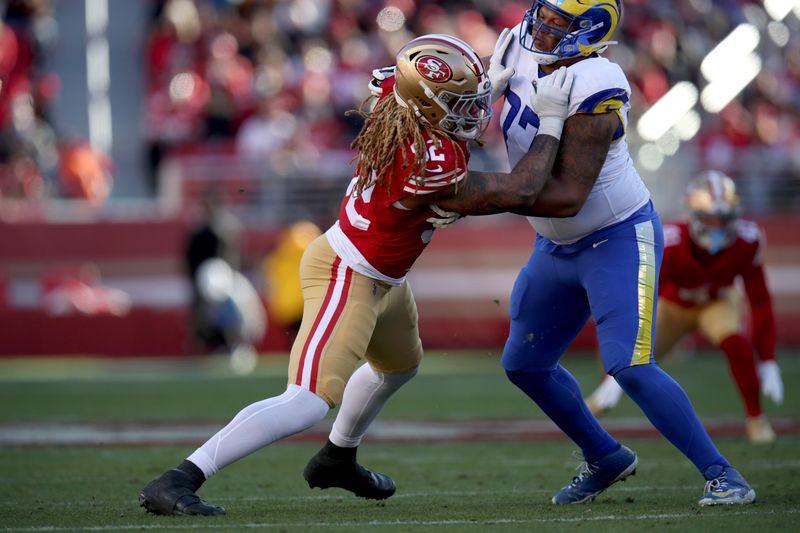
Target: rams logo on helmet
[588,27]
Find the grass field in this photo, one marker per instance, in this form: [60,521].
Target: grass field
[485,484]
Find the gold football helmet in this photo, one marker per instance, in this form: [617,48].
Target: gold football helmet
[713,209]
[443,80]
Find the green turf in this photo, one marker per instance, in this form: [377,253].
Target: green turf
[444,486]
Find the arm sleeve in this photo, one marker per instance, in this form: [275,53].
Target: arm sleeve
[761,313]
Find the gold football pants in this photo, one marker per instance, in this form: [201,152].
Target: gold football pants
[715,320]
[346,317]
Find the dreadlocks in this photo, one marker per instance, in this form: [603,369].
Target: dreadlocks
[386,129]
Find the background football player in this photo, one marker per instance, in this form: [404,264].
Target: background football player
[703,259]
[358,305]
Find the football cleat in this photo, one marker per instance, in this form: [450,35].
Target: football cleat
[759,430]
[172,493]
[726,486]
[596,477]
[324,472]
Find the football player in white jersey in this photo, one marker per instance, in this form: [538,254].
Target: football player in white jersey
[598,251]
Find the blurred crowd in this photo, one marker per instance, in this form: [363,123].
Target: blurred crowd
[36,162]
[275,78]
[271,80]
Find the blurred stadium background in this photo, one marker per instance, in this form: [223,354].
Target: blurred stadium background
[123,122]
[119,119]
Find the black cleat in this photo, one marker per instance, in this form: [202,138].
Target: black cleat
[324,472]
[172,493]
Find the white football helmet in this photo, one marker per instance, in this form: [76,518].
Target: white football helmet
[443,80]
[713,210]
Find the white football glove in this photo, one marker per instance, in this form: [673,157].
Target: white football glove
[378,75]
[445,219]
[769,374]
[498,73]
[550,100]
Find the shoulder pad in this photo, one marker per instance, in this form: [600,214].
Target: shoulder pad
[599,87]
[445,165]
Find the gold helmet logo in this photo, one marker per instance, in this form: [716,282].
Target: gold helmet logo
[434,69]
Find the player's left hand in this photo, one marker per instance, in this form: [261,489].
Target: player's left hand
[550,100]
[378,75]
[498,72]
[769,374]
[445,219]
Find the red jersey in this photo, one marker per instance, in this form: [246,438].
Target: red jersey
[691,276]
[375,234]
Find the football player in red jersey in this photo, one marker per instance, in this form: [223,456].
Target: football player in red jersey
[358,305]
[703,258]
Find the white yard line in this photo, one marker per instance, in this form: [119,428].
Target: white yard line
[208,525]
[479,430]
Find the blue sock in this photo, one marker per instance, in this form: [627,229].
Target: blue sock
[666,405]
[557,393]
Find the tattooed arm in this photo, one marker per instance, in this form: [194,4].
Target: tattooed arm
[485,193]
[584,147]
[551,180]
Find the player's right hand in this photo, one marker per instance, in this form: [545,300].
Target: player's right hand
[378,75]
[498,72]
[550,100]
[444,219]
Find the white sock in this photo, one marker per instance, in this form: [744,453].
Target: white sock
[259,424]
[364,396]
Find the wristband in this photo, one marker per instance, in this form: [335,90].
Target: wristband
[551,126]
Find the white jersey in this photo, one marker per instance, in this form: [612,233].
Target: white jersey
[599,87]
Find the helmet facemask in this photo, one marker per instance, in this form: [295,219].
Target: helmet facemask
[712,232]
[466,115]
[713,210]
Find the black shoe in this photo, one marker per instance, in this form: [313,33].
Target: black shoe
[324,471]
[172,493]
